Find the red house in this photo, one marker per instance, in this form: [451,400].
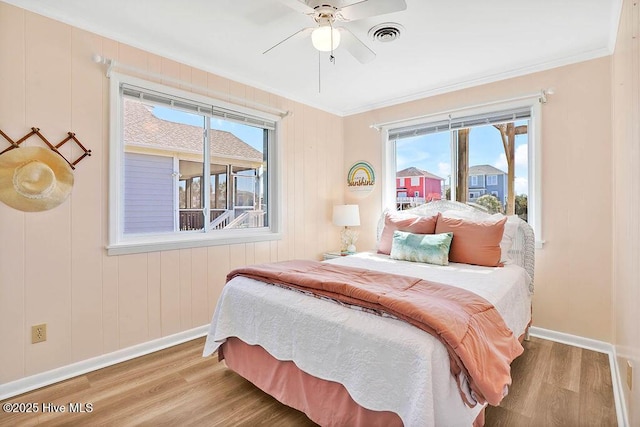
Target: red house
[416,186]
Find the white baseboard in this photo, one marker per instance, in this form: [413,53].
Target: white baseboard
[574,340]
[42,379]
[601,347]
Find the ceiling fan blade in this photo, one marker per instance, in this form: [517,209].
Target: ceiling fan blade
[368,8]
[299,34]
[298,6]
[359,50]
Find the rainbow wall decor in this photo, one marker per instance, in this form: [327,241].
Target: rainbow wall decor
[361,177]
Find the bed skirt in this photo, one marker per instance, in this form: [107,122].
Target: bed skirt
[327,403]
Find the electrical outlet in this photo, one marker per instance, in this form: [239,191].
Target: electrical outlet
[629,374]
[38,333]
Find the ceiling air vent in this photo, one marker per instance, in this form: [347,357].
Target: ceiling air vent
[386,32]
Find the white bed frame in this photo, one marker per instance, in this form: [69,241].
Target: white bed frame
[522,251]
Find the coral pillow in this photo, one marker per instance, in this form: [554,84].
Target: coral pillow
[508,237]
[474,242]
[412,224]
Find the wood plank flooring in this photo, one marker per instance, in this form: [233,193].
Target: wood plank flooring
[557,385]
[553,385]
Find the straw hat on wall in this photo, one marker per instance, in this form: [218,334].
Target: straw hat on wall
[34,179]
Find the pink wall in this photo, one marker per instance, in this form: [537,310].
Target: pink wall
[53,265]
[626,202]
[571,295]
[433,189]
[427,187]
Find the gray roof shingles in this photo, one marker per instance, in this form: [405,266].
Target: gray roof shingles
[414,171]
[143,128]
[485,170]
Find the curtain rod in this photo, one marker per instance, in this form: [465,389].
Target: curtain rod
[111,64]
[541,95]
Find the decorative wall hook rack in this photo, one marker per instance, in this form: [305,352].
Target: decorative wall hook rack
[36,131]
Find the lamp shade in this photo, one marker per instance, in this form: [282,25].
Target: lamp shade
[323,36]
[346,215]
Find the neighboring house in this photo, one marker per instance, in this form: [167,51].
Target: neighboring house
[486,179]
[168,157]
[416,186]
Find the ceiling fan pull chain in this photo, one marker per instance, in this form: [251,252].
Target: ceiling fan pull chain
[332,58]
[319,84]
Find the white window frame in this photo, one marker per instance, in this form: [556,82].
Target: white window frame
[492,180]
[474,181]
[534,148]
[119,243]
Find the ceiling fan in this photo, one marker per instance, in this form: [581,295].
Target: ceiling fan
[326,37]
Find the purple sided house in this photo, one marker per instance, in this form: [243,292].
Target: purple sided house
[486,179]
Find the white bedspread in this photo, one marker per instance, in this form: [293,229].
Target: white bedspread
[384,363]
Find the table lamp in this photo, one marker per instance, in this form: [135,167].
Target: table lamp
[347,216]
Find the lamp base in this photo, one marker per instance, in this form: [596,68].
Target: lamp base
[348,238]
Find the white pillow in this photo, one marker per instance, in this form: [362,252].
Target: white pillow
[464,214]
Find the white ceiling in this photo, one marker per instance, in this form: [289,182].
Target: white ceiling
[445,45]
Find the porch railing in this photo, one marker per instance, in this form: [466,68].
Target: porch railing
[409,202]
[192,219]
[222,220]
[248,219]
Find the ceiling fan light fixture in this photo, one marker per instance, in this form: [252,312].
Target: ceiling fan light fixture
[321,38]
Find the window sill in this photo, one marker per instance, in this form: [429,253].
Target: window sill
[157,243]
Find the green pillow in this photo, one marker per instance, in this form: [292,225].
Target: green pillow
[429,248]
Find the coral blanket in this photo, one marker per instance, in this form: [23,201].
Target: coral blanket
[480,345]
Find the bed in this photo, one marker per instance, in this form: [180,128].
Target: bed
[346,366]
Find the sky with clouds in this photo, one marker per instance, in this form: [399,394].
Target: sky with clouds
[433,153]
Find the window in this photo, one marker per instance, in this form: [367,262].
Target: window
[495,194]
[188,171]
[415,181]
[469,148]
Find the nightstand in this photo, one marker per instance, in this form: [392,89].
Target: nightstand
[334,254]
